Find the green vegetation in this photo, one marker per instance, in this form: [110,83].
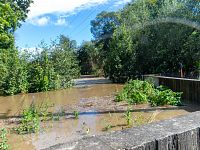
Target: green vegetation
[128,117]
[108,127]
[51,67]
[89,58]
[140,92]
[163,96]
[148,37]
[145,37]
[135,91]
[76,114]
[30,122]
[3,139]
[13,13]
[54,67]
[32,117]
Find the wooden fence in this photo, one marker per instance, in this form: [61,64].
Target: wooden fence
[189,87]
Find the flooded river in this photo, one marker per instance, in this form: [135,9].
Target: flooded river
[93,98]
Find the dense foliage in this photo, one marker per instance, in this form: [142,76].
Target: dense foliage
[54,67]
[51,67]
[149,36]
[140,92]
[12,13]
[89,58]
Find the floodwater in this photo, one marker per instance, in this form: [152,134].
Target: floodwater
[13,105]
[93,97]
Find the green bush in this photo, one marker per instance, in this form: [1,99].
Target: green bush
[165,97]
[135,91]
[140,92]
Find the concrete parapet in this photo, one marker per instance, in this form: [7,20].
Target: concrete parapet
[181,133]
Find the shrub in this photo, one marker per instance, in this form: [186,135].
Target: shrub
[135,91]
[165,97]
[140,92]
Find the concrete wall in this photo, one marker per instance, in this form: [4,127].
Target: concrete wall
[181,133]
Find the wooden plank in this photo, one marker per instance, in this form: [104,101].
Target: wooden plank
[189,87]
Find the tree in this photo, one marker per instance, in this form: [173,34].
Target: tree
[160,35]
[64,60]
[120,59]
[104,25]
[89,59]
[102,28]
[12,13]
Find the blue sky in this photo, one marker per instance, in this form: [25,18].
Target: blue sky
[49,18]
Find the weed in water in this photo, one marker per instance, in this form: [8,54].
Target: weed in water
[76,114]
[128,116]
[32,117]
[4,140]
[30,121]
[44,113]
[56,117]
[62,111]
[108,127]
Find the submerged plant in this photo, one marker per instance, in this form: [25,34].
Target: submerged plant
[3,142]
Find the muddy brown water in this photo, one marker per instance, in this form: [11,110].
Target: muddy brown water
[90,96]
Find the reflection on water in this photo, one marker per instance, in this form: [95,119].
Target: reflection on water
[68,128]
[13,105]
[71,129]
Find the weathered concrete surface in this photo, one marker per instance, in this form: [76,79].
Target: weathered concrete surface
[180,133]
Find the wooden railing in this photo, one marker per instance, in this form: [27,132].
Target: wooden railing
[189,87]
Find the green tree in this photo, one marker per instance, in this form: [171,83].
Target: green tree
[12,13]
[161,36]
[102,28]
[64,60]
[89,59]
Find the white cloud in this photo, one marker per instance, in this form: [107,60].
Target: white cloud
[56,7]
[61,22]
[41,11]
[39,21]
[121,2]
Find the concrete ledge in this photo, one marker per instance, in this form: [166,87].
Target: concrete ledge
[181,133]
